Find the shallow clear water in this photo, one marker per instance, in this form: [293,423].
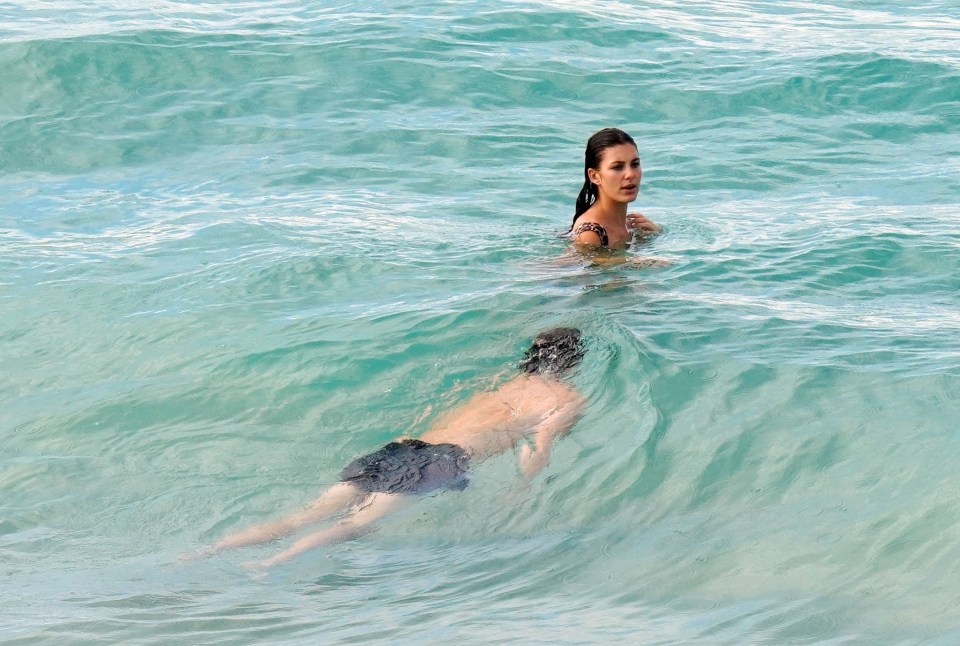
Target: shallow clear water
[243,243]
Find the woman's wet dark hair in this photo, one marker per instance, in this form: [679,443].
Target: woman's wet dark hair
[600,141]
[554,351]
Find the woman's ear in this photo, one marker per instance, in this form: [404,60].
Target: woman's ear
[593,175]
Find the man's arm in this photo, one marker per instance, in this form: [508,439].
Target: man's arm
[555,425]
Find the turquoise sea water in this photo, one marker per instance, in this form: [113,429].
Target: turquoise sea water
[243,243]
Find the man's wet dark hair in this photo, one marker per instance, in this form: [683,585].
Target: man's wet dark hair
[555,352]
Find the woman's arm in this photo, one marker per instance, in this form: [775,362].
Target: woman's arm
[639,223]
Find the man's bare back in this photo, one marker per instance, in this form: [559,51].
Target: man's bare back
[491,423]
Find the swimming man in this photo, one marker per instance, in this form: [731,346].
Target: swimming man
[535,405]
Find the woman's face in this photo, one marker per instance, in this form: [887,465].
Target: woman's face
[618,176]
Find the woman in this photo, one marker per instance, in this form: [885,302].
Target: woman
[611,170]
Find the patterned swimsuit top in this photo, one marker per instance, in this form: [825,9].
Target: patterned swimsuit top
[595,228]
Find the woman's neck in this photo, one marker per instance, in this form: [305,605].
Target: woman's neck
[611,211]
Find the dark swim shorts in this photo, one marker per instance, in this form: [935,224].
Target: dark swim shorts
[409,466]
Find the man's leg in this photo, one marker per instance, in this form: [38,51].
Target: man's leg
[338,497]
[353,526]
